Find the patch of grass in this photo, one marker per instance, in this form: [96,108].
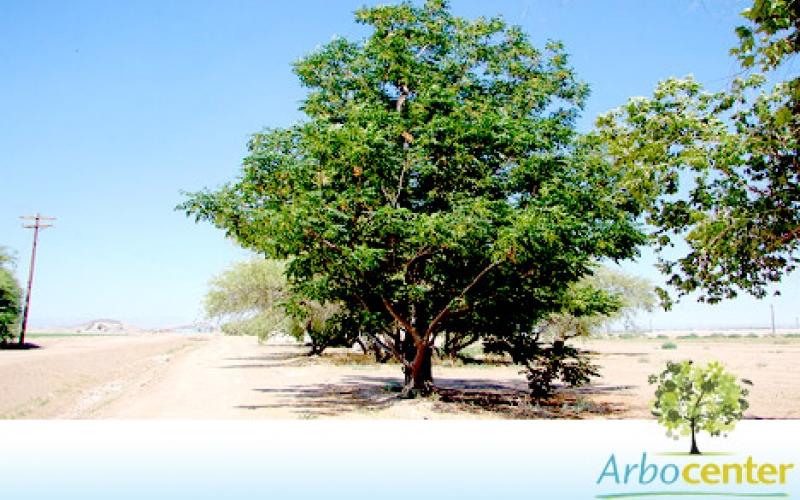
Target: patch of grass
[662,336]
[689,336]
[353,359]
[669,345]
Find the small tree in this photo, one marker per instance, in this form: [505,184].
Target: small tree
[10,295]
[632,293]
[253,298]
[692,398]
[248,298]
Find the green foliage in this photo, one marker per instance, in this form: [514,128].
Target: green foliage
[691,398]
[719,170]
[669,345]
[10,297]
[322,324]
[249,297]
[557,362]
[627,296]
[772,36]
[436,187]
[254,298]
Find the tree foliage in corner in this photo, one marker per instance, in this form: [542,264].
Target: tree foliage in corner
[722,168]
[10,297]
[691,398]
[437,185]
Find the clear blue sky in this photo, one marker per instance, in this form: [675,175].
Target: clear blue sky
[109,109]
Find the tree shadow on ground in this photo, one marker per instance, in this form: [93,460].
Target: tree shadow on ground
[504,398]
[267,360]
[15,346]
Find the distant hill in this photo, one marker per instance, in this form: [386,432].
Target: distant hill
[106,326]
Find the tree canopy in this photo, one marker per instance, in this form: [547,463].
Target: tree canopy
[248,298]
[721,168]
[436,186]
[10,297]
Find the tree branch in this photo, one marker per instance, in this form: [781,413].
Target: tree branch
[792,234]
[391,349]
[447,309]
[404,93]
[422,252]
[405,324]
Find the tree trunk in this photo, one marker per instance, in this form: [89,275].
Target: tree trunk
[361,344]
[695,450]
[419,377]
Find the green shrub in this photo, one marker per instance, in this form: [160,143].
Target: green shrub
[559,361]
[669,345]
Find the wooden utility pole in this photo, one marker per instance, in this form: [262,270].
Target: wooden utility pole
[36,226]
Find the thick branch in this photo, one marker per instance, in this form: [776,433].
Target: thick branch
[792,234]
[422,252]
[405,324]
[390,348]
[447,309]
[404,93]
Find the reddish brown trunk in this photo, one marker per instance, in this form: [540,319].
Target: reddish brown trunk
[419,376]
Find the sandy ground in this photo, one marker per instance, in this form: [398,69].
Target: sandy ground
[215,377]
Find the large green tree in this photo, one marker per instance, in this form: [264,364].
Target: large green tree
[10,296]
[437,185]
[721,168]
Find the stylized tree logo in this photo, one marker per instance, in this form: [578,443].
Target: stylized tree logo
[692,398]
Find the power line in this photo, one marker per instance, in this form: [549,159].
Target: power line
[36,226]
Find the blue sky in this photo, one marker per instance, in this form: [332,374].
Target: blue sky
[109,109]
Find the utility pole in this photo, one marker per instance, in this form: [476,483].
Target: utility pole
[772,314]
[36,226]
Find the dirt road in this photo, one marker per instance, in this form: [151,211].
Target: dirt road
[216,377]
[200,376]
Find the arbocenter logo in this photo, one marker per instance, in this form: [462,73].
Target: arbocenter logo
[714,477]
[690,399]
